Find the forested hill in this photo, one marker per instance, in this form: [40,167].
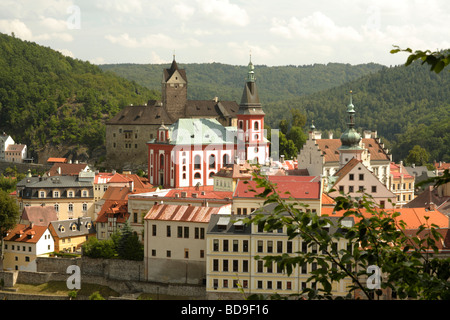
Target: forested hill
[48,99]
[209,80]
[407,106]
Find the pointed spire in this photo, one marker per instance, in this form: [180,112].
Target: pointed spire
[251,72]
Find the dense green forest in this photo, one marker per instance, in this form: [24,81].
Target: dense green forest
[46,97]
[209,80]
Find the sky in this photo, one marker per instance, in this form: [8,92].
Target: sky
[273,32]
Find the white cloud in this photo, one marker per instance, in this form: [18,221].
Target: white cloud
[17,27]
[158,40]
[53,24]
[224,12]
[66,52]
[62,36]
[316,27]
[183,11]
[128,6]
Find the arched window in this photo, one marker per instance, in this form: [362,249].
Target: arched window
[212,161]
[226,159]
[211,174]
[197,162]
[256,125]
[161,161]
[241,124]
[197,175]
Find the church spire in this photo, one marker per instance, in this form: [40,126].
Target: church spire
[350,138]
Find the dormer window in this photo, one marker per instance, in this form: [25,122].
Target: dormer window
[70,194]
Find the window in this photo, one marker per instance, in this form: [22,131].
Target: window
[289,247]
[351,177]
[212,161]
[55,194]
[186,253]
[202,253]
[235,265]
[269,246]
[197,175]
[350,189]
[153,253]
[197,162]
[225,283]
[260,246]
[154,230]
[84,193]
[225,245]
[56,206]
[374,188]
[85,207]
[70,207]
[235,245]
[161,161]
[186,232]
[361,176]
[244,265]
[260,265]
[256,125]
[245,246]
[216,245]
[180,232]
[226,159]
[279,246]
[41,194]
[168,231]
[70,194]
[215,265]
[225,265]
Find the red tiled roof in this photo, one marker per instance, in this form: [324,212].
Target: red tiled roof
[329,148]
[413,217]
[60,160]
[70,169]
[298,187]
[39,215]
[181,213]
[219,195]
[21,232]
[118,208]
[395,171]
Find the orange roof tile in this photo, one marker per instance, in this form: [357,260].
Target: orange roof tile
[21,233]
[413,217]
[299,187]
[181,213]
[329,148]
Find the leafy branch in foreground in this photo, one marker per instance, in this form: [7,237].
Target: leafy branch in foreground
[437,60]
[342,248]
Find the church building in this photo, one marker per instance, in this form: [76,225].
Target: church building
[128,132]
[325,157]
[191,151]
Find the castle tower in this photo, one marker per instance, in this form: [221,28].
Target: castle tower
[350,139]
[252,144]
[174,91]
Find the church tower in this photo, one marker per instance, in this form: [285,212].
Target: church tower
[174,91]
[350,139]
[252,145]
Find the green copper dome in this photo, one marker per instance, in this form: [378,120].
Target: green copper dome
[350,138]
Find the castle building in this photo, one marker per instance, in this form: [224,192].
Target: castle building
[192,150]
[324,157]
[130,129]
